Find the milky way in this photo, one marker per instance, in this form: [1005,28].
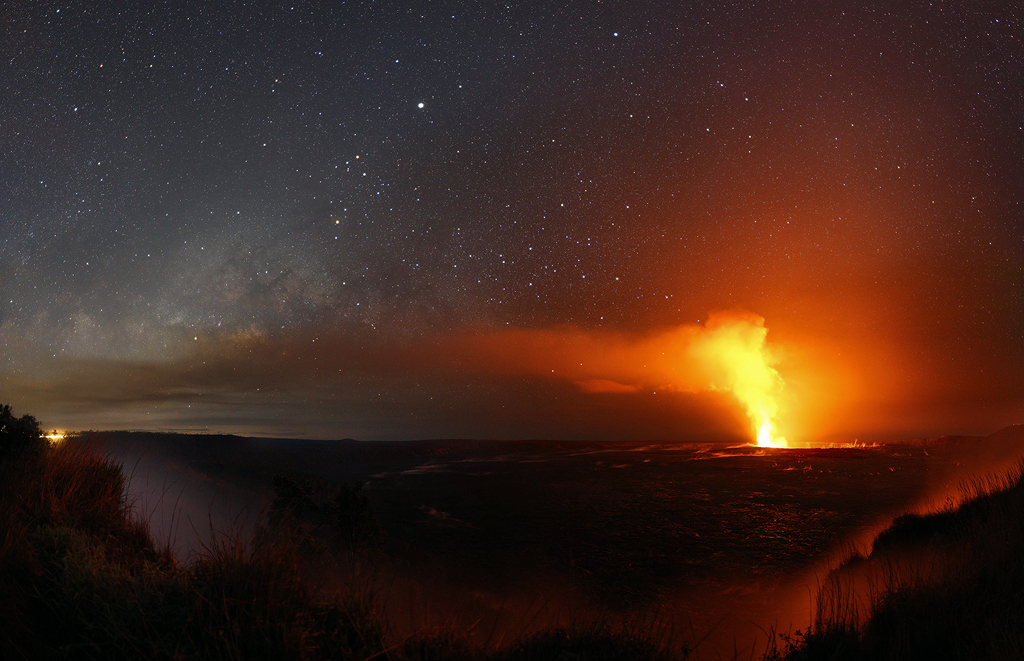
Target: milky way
[232,218]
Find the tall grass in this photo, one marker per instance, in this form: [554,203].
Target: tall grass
[80,578]
[945,585]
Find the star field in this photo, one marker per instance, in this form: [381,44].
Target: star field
[184,179]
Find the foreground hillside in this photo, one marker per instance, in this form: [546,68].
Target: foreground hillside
[942,585]
[80,578]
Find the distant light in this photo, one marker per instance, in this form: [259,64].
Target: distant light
[56,437]
[420,105]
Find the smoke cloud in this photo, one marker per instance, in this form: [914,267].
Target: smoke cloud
[683,382]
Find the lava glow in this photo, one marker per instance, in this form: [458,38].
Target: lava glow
[735,348]
[728,354]
[765,439]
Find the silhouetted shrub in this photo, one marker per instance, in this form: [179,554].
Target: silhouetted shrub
[19,436]
[354,521]
[80,579]
[342,514]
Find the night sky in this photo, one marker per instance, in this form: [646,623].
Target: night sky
[385,220]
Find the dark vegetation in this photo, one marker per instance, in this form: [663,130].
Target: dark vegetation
[81,578]
[19,436]
[944,585]
[339,516]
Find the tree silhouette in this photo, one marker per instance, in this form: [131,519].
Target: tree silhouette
[19,436]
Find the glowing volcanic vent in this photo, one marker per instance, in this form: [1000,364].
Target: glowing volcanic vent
[764,435]
[734,351]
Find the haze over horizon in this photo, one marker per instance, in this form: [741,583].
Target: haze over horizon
[490,220]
